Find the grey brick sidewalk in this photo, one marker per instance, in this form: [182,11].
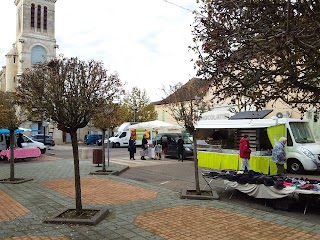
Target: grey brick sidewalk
[164,217]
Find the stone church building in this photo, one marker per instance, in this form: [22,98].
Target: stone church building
[35,42]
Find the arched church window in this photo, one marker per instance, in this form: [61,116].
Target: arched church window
[45,15]
[38,54]
[39,17]
[32,15]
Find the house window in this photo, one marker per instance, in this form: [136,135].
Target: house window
[39,17]
[32,15]
[45,15]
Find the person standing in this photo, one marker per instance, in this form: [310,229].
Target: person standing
[279,155]
[144,147]
[8,142]
[245,153]
[180,148]
[132,147]
[20,140]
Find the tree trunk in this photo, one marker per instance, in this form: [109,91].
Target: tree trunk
[77,182]
[11,155]
[195,158]
[103,151]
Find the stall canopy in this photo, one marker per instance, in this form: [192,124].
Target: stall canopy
[155,125]
[19,130]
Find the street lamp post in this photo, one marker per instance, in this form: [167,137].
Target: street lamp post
[44,124]
[108,146]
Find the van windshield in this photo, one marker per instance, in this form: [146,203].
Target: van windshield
[186,139]
[117,134]
[301,132]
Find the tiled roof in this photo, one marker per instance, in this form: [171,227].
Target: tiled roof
[194,87]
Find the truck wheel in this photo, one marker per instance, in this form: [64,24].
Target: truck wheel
[117,145]
[113,145]
[295,166]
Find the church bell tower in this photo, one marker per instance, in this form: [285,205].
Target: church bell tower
[35,32]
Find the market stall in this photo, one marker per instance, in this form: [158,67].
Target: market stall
[155,125]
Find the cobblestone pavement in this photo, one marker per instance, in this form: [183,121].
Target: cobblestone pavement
[137,210]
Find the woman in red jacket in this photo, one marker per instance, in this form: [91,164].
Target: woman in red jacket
[245,153]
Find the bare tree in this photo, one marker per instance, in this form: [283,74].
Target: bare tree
[11,116]
[264,50]
[185,103]
[107,116]
[68,91]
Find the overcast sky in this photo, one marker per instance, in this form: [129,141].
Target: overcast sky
[145,41]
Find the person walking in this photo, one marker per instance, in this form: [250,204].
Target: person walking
[245,153]
[144,147]
[279,155]
[132,147]
[180,148]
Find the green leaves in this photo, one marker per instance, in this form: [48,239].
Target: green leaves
[138,105]
[11,114]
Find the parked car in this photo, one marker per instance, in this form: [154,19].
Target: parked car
[99,142]
[169,144]
[39,138]
[92,138]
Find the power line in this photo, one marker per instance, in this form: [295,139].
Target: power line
[179,6]
[182,7]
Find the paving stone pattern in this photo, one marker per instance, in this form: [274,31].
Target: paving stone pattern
[137,210]
[102,191]
[202,222]
[35,238]
[10,208]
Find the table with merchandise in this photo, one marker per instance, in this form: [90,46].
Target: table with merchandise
[259,185]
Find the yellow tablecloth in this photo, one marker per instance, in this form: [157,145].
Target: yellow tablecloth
[215,160]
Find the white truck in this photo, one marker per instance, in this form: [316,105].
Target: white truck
[303,153]
[122,136]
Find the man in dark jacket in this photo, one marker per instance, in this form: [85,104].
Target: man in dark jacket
[245,153]
[132,147]
[20,140]
[180,148]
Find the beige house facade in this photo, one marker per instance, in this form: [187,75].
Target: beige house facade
[222,111]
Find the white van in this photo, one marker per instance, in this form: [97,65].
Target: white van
[303,153]
[28,143]
[122,136]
